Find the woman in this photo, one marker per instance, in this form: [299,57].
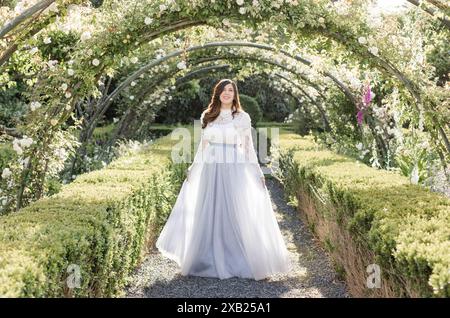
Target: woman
[222,224]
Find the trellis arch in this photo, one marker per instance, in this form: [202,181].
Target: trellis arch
[152,64]
[270,62]
[190,75]
[135,75]
[147,67]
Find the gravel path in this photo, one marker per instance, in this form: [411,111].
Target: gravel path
[312,274]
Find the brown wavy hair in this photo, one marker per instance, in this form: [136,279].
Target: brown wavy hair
[213,109]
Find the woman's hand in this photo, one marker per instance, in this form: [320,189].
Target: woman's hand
[187,174]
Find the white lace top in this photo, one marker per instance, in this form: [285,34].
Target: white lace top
[226,129]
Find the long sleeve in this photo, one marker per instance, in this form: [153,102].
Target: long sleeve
[245,133]
[202,145]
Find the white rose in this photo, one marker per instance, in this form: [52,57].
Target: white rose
[148,21]
[362,40]
[131,97]
[34,106]
[86,35]
[6,173]
[373,50]
[64,86]
[51,64]
[133,83]
[134,60]
[68,95]
[95,62]
[162,7]
[70,72]
[321,20]
[47,40]
[240,2]
[17,148]
[242,10]
[53,122]
[359,146]
[26,142]
[181,65]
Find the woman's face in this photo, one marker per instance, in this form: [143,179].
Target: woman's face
[226,97]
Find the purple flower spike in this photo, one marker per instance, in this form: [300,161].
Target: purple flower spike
[360,116]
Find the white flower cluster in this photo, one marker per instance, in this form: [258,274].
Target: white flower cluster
[242,10]
[148,21]
[181,65]
[34,106]
[61,153]
[52,64]
[289,118]
[372,48]
[86,35]
[374,159]
[342,7]
[7,173]
[159,53]
[317,63]
[19,144]
[363,151]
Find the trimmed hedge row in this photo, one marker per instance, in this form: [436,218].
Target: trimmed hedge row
[85,240]
[366,216]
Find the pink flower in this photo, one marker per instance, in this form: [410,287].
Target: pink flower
[360,117]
